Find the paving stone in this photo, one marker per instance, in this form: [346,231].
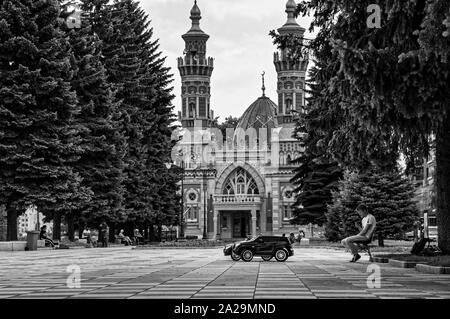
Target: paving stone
[205,273]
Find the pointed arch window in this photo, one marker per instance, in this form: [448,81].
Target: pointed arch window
[240,182]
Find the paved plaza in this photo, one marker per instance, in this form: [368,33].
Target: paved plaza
[205,273]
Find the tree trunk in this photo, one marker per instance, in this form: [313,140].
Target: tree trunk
[380,240]
[56,226]
[160,232]
[11,231]
[70,227]
[145,231]
[152,232]
[442,176]
[112,232]
[81,226]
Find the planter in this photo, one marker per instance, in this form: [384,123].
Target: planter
[305,241]
[437,270]
[13,245]
[383,260]
[402,264]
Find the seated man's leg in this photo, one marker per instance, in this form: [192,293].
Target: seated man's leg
[344,242]
[351,243]
[49,241]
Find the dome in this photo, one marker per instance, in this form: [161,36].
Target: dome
[261,115]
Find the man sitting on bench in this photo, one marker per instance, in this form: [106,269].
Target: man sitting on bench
[365,234]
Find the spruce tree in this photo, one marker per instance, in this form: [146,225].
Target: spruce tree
[101,164]
[318,173]
[135,67]
[389,197]
[341,215]
[38,136]
[393,80]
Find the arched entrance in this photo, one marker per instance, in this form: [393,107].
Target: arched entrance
[238,202]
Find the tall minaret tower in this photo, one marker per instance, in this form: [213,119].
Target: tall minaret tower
[195,69]
[291,74]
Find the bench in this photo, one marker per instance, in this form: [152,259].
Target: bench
[120,241]
[364,246]
[40,243]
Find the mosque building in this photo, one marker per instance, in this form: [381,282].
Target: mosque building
[238,185]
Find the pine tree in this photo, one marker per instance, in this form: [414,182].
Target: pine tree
[101,164]
[38,137]
[135,67]
[394,80]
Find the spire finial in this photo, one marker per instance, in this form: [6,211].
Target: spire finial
[263,86]
[290,10]
[195,16]
[291,25]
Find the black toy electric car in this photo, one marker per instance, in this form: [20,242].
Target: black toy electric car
[266,247]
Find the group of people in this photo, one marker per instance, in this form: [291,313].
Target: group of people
[137,236]
[292,238]
[103,236]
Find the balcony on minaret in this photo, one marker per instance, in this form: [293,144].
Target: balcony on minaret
[284,63]
[192,66]
[190,61]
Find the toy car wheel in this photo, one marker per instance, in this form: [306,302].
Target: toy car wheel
[281,255]
[235,257]
[247,255]
[266,257]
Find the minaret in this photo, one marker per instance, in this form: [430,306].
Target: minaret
[195,70]
[291,74]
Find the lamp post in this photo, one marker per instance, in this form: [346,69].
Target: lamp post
[182,201]
[205,198]
[169,165]
[205,235]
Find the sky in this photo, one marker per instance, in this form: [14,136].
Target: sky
[239,42]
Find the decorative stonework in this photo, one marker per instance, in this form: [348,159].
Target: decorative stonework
[250,169]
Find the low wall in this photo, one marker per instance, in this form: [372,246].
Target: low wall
[13,245]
